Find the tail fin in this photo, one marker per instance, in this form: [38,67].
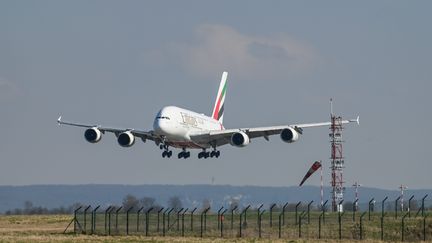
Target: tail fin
[218,109]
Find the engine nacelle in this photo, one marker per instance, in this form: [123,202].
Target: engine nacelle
[126,139]
[239,139]
[93,135]
[289,135]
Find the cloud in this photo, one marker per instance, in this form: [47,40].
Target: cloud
[215,48]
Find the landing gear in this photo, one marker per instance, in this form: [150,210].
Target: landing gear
[167,154]
[215,153]
[183,155]
[204,154]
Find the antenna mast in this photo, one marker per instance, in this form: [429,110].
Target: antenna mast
[337,160]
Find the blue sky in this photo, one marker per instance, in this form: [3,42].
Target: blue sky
[118,62]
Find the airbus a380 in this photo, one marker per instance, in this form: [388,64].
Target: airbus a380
[185,129]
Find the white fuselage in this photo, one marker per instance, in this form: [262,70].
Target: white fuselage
[176,124]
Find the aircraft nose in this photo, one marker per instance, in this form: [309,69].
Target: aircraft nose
[159,126]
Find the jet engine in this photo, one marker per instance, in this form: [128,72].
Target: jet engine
[239,139]
[289,135]
[93,135]
[126,139]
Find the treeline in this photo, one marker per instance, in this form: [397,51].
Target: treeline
[129,201]
[30,209]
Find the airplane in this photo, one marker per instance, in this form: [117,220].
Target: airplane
[180,128]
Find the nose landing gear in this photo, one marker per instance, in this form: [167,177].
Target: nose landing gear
[166,153]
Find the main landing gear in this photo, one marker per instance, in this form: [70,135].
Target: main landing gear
[183,154]
[204,154]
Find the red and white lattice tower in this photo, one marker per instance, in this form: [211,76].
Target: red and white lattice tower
[337,160]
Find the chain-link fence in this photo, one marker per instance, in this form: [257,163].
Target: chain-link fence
[300,221]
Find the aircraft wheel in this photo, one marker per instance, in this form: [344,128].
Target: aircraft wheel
[180,155]
[212,154]
[200,155]
[217,154]
[169,154]
[164,153]
[187,155]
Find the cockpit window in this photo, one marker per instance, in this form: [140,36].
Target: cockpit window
[162,117]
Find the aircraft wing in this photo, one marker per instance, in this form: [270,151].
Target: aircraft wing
[137,133]
[222,137]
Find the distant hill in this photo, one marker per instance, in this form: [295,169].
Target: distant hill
[52,196]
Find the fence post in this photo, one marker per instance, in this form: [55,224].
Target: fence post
[245,215]
[424,228]
[163,221]
[258,212]
[168,219]
[109,220]
[137,222]
[361,225]
[94,219]
[422,207]
[340,219]
[116,219]
[396,206]
[308,211]
[409,205]
[280,225]
[259,224]
[232,216]
[127,220]
[323,208]
[354,209]
[106,215]
[240,224]
[158,218]
[218,216]
[147,219]
[191,222]
[319,225]
[300,223]
[283,213]
[403,226]
[221,222]
[183,214]
[271,214]
[178,218]
[370,207]
[75,218]
[382,206]
[296,210]
[85,218]
[205,219]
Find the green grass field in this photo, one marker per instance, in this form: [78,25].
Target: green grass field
[49,228]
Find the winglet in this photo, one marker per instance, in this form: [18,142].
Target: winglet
[356,120]
[59,120]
